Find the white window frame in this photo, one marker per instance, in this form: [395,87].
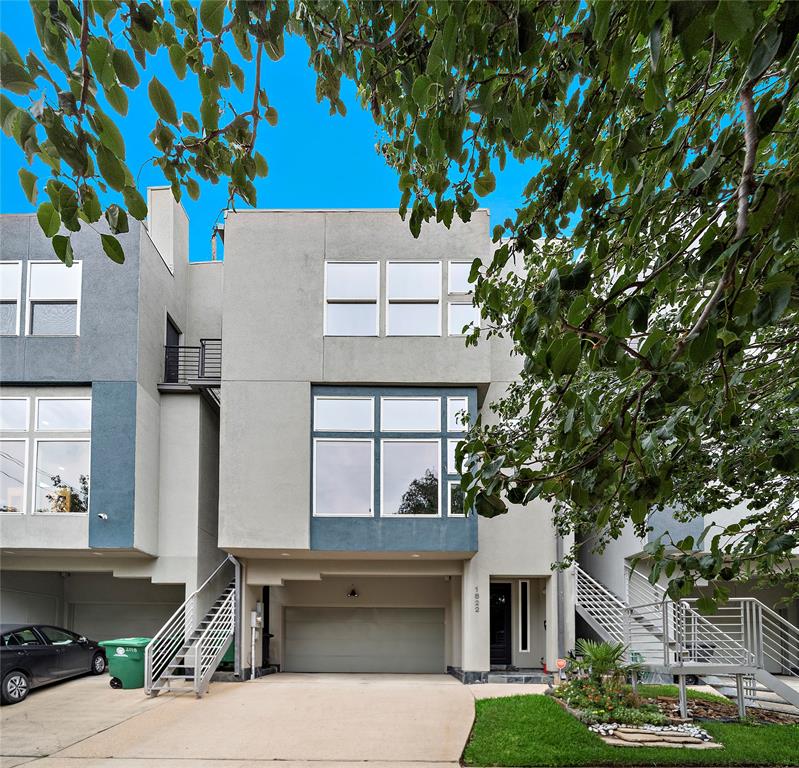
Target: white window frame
[455,426]
[25,480]
[371,400]
[383,441]
[27,426]
[414,430]
[18,299]
[370,440]
[28,301]
[437,301]
[450,290]
[68,430]
[37,441]
[450,513]
[457,331]
[522,649]
[452,470]
[375,301]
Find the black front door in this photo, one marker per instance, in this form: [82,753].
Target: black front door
[500,624]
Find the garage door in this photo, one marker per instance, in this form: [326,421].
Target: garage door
[17,607]
[101,621]
[364,640]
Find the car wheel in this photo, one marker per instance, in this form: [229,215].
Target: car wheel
[99,664]
[15,687]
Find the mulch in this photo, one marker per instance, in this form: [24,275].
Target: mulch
[700,709]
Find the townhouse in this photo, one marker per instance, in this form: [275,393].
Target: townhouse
[269,439]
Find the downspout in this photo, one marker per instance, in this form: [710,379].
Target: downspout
[561,588]
[239,630]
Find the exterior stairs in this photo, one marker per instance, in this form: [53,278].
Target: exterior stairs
[742,642]
[185,653]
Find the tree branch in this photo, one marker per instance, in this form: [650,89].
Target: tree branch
[84,57]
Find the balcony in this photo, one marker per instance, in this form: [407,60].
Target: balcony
[197,369]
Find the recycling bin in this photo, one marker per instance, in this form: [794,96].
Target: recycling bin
[126,661]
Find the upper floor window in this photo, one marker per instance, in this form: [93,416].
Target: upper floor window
[413,292]
[68,414]
[13,455]
[461,312]
[344,414]
[410,414]
[10,287]
[351,298]
[13,414]
[53,298]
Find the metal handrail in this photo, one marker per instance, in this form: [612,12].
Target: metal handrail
[212,643]
[201,363]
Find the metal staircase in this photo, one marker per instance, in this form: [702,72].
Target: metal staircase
[186,651]
[743,640]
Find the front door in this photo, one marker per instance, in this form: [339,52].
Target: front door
[500,624]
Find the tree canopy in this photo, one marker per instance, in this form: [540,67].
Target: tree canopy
[647,281]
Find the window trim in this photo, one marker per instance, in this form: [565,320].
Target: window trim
[453,331]
[522,648]
[414,430]
[370,398]
[328,301]
[437,301]
[25,481]
[452,470]
[68,430]
[450,513]
[455,427]
[62,300]
[450,290]
[383,441]
[18,299]
[36,442]
[370,440]
[27,426]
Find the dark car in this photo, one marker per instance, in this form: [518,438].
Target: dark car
[34,655]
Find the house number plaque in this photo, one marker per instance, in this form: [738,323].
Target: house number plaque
[476,600]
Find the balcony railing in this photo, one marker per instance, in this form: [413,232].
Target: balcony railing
[198,366]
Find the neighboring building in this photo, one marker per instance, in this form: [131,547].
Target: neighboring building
[327,471]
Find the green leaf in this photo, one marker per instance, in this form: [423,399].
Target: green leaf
[212,15]
[209,114]
[190,121]
[110,136]
[62,246]
[765,50]
[28,181]
[162,102]
[112,248]
[118,99]
[111,168]
[135,203]
[745,303]
[193,188]
[271,116]
[117,219]
[601,10]
[732,20]
[261,167]
[49,220]
[772,304]
[421,91]
[177,57]
[703,347]
[485,184]
[564,355]
[518,121]
[126,71]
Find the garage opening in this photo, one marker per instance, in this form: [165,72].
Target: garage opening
[391,640]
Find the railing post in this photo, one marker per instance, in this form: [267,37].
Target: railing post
[683,698]
[739,690]
[664,609]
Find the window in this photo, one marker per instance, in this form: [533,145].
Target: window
[410,414]
[13,414]
[524,616]
[458,281]
[351,298]
[455,506]
[57,636]
[409,477]
[61,471]
[13,455]
[344,414]
[461,316]
[343,477]
[452,467]
[54,298]
[414,295]
[68,414]
[457,407]
[10,286]
[22,637]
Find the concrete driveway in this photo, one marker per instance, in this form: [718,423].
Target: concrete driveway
[391,720]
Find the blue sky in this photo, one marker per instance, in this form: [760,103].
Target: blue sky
[315,160]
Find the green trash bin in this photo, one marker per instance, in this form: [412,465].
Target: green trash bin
[126,661]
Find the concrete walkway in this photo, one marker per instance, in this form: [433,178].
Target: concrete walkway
[390,720]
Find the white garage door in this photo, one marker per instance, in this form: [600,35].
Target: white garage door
[364,640]
[18,607]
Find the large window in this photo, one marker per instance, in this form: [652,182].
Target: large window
[13,414]
[68,414]
[61,469]
[413,294]
[351,298]
[12,475]
[54,299]
[461,313]
[381,453]
[10,285]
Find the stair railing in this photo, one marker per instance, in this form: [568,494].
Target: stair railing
[601,604]
[213,642]
[177,630]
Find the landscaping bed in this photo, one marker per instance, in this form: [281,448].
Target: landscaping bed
[718,709]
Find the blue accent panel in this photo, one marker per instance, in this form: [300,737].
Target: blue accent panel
[113,464]
[398,534]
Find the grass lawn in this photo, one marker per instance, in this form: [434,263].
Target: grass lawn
[672,690]
[537,731]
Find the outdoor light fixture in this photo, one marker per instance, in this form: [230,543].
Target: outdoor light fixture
[102,515]
[353,593]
